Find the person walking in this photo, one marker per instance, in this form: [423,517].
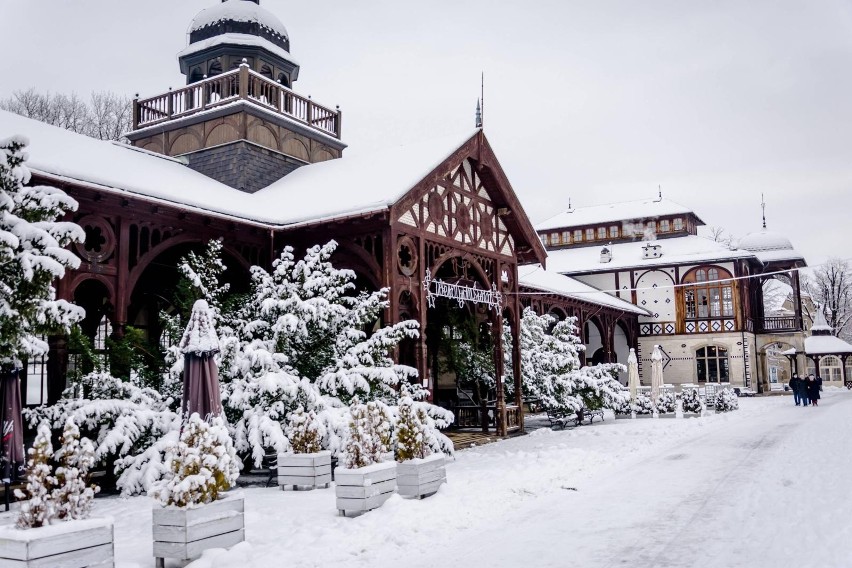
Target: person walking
[813,389]
[794,386]
[803,391]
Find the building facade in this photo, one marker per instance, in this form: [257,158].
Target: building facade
[705,299]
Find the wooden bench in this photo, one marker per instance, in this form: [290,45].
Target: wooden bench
[560,419]
[589,414]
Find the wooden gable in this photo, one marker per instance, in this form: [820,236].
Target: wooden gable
[467,202]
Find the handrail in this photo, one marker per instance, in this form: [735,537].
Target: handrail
[239,84]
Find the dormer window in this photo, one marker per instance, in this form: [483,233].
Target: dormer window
[678,224]
[613,232]
[566,237]
[590,235]
[544,239]
[554,238]
[665,226]
[601,233]
[578,236]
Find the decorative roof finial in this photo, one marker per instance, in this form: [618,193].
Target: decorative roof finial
[478,114]
[569,204]
[763,206]
[660,192]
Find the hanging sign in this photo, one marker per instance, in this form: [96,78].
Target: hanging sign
[461,294]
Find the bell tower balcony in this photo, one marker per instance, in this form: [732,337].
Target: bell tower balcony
[238,127]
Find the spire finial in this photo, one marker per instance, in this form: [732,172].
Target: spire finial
[763,206]
[478,114]
[660,192]
[569,204]
[482,98]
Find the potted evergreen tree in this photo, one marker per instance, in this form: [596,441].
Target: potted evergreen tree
[419,471]
[307,464]
[194,513]
[366,481]
[53,527]
[691,401]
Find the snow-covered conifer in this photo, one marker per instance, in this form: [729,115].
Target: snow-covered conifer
[691,401]
[73,495]
[33,255]
[410,430]
[305,432]
[370,432]
[38,509]
[726,400]
[125,422]
[666,403]
[202,465]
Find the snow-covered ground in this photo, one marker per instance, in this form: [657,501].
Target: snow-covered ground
[765,486]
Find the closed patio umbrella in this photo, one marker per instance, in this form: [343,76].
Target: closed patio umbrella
[656,372]
[632,373]
[10,417]
[200,375]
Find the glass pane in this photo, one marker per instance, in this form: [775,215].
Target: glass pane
[723,368]
[713,274]
[711,351]
[702,369]
[701,276]
[690,304]
[727,301]
[703,304]
[712,371]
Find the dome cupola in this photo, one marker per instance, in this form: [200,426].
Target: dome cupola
[221,36]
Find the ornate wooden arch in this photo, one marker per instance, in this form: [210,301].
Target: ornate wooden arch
[449,255]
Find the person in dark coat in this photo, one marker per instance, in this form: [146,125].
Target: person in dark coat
[794,386]
[803,391]
[813,389]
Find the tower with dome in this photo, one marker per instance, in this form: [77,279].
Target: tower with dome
[238,119]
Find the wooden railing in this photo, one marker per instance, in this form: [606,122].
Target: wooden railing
[786,323]
[239,84]
[468,417]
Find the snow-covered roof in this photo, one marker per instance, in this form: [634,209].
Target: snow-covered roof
[820,325]
[624,211]
[355,184]
[343,187]
[769,246]
[238,11]
[237,39]
[689,249]
[826,345]
[534,276]
[62,154]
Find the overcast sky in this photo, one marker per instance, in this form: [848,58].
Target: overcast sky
[599,101]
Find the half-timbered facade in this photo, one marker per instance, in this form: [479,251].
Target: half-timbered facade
[704,299]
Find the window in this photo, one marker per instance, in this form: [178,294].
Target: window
[566,237]
[578,236]
[678,224]
[711,297]
[711,364]
[830,368]
[554,238]
[613,232]
[665,226]
[590,234]
[601,233]
[103,333]
[544,240]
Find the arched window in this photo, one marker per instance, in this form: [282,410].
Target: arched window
[711,363]
[830,368]
[709,298]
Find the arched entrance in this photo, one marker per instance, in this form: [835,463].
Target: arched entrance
[621,349]
[461,348]
[593,340]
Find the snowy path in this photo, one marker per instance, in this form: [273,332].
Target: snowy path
[764,486]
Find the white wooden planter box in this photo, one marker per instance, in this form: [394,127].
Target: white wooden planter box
[185,533]
[364,489]
[622,416]
[421,477]
[304,470]
[69,544]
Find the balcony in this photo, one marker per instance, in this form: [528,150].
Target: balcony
[241,84]
[780,324]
